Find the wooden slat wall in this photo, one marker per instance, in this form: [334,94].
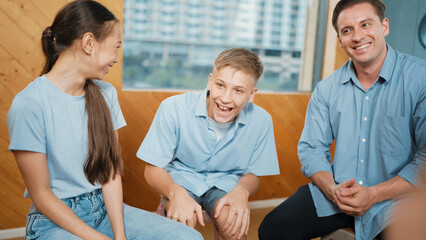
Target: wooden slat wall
[21,25]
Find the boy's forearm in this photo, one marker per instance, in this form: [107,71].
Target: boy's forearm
[161,181]
[249,183]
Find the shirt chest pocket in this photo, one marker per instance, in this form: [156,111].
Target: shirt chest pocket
[394,138]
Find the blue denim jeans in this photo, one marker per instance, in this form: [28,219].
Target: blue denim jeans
[90,208]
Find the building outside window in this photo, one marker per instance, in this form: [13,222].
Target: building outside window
[172,44]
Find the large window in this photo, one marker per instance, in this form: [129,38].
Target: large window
[173,44]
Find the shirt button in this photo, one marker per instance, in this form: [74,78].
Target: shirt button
[367,97]
[365,118]
[362,160]
[363,140]
[360,182]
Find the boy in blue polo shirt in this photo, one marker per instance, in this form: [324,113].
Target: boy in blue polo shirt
[205,150]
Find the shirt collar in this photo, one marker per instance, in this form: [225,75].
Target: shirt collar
[388,65]
[201,108]
[242,118]
[385,71]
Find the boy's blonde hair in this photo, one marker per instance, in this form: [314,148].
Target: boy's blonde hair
[240,58]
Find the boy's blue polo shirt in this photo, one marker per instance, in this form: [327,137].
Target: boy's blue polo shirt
[182,141]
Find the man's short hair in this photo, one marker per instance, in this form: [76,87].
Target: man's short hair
[378,5]
[242,59]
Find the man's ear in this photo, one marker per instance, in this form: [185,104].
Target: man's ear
[340,41]
[385,24]
[88,41]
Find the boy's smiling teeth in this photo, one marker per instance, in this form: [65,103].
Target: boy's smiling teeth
[223,108]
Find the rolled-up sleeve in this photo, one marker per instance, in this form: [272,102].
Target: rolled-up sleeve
[314,144]
[412,170]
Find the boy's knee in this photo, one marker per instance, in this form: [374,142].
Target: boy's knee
[221,222]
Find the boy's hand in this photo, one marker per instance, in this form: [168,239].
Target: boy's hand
[183,208]
[238,217]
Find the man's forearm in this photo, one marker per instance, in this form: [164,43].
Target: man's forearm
[325,181]
[393,188]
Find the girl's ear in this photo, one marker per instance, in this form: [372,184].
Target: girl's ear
[88,40]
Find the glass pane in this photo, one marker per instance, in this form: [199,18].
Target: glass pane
[173,44]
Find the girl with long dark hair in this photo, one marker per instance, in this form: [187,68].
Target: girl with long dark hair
[63,132]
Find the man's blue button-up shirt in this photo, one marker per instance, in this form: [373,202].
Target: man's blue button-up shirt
[182,140]
[379,133]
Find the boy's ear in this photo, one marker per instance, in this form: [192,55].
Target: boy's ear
[252,94]
[209,83]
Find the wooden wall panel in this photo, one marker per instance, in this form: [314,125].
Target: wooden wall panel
[21,25]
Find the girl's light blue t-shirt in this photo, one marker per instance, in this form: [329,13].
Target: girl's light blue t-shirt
[44,119]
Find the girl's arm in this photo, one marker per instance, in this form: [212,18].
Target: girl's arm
[34,170]
[113,197]
[112,192]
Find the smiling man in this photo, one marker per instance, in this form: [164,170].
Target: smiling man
[206,149]
[373,107]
